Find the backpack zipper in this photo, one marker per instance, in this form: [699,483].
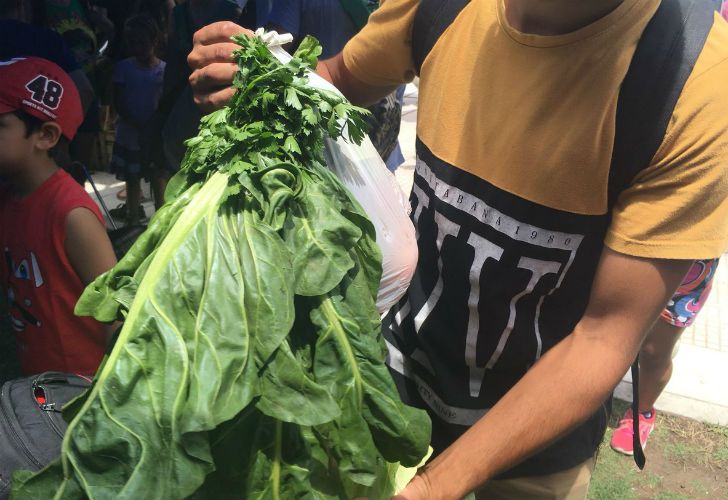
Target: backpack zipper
[18,440]
[47,408]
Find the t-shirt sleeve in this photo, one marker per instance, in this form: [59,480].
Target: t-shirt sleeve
[287,15]
[381,53]
[678,207]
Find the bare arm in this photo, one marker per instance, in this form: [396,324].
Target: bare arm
[88,249]
[213,70]
[627,296]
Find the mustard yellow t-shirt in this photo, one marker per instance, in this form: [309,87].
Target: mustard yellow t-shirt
[534,115]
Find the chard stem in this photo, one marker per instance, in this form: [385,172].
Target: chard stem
[276,472]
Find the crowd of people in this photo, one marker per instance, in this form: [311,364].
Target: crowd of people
[540,276]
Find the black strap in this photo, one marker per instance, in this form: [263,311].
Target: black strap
[661,65]
[638,452]
[431,20]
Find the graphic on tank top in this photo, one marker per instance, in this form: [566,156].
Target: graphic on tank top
[499,281]
[22,275]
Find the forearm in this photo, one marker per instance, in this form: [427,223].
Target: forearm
[323,70]
[562,390]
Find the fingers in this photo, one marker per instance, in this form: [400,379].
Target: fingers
[219,32]
[211,101]
[203,55]
[213,76]
[417,489]
[212,64]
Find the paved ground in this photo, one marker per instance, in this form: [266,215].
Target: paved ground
[699,386]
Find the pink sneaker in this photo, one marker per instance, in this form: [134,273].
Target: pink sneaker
[622,436]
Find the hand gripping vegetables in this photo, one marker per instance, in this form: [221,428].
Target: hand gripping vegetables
[250,363]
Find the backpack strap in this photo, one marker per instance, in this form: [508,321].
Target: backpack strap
[663,61]
[664,58]
[431,20]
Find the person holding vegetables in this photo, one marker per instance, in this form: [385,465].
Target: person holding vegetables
[537,280]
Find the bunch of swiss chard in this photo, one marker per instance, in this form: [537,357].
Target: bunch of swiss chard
[250,363]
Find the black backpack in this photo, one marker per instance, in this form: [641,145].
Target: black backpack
[660,66]
[31,424]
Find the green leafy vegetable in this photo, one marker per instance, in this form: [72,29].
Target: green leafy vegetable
[250,363]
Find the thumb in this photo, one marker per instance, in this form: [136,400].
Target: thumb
[417,489]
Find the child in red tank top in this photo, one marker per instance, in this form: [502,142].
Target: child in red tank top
[52,235]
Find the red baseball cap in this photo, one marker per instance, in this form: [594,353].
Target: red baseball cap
[42,89]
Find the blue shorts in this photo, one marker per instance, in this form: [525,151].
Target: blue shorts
[126,163]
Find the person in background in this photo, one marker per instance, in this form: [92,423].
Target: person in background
[137,88]
[263,9]
[658,351]
[51,233]
[19,38]
[660,346]
[177,117]
[85,29]
[333,23]
[159,10]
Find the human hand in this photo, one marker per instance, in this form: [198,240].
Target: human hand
[213,66]
[419,488]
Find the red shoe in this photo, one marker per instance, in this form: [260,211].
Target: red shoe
[622,436]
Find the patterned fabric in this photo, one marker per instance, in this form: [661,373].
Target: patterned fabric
[691,295]
[384,124]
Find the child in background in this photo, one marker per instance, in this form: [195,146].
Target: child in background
[52,234]
[137,88]
[658,350]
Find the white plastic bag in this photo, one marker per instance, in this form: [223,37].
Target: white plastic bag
[362,171]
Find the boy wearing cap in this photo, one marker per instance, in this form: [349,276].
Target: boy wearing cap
[52,234]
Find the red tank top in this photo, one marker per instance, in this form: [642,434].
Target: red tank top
[41,285]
